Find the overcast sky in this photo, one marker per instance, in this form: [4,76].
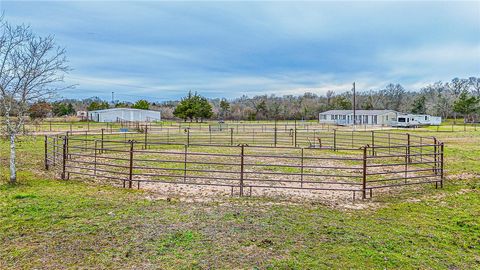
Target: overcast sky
[160,50]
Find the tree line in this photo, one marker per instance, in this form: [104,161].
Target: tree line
[458,97]
[69,107]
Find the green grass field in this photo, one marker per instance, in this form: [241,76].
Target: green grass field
[54,224]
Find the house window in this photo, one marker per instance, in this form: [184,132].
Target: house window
[426,118]
[374,119]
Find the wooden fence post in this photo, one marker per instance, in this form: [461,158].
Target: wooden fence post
[231,136]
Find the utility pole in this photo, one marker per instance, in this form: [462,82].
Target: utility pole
[113,97]
[353,106]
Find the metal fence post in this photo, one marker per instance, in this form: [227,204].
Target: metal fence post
[146,137]
[407,158]
[242,154]
[301,170]
[435,158]
[373,143]
[295,134]
[101,143]
[130,172]
[441,165]
[231,136]
[352,139]
[334,139]
[64,158]
[68,142]
[275,136]
[364,173]
[95,159]
[55,150]
[46,152]
[185,164]
[408,148]
[209,135]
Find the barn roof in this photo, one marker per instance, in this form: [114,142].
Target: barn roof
[122,109]
[358,112]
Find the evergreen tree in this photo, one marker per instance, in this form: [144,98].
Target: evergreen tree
[101,105]
[141,104]
[466,104]
[192,107]
[225,107]
[418,105]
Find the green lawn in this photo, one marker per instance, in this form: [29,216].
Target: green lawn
[53,224]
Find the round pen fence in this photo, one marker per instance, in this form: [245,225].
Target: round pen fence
[245,162]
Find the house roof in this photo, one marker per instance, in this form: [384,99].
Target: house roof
[358,112]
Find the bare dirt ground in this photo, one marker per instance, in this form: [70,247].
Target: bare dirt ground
[201,186]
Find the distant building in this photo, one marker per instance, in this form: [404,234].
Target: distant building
[124,114]
[363,117]
[82,115]
[378,117]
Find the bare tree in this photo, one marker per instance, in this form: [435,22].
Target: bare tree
[31,69]
[475,84]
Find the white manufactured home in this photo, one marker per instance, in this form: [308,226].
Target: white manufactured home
[124,114]
[362,117]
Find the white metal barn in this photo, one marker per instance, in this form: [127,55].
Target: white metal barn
[363,117]
[125,114]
